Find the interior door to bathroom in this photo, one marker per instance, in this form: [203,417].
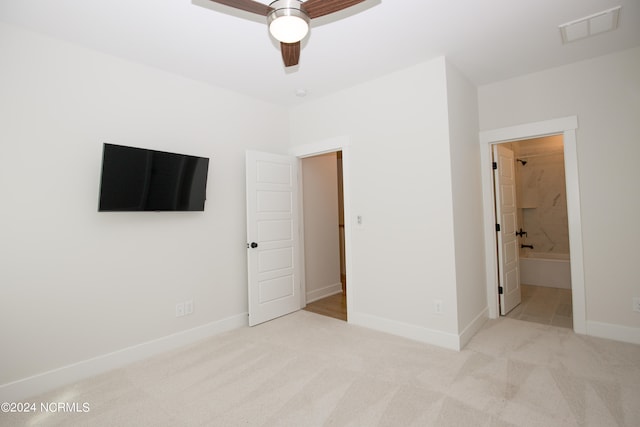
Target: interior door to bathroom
[506,215]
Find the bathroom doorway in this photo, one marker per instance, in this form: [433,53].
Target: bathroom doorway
[542,234]
[565,126]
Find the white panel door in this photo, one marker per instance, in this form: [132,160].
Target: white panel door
[506,214]
[272,236]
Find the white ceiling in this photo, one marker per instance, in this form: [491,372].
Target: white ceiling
[488,40]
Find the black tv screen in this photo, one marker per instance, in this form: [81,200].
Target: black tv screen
[137,179]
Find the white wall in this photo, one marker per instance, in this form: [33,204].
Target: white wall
[76,283]
[605,95]
[400,180]
[466,189]
[321,232]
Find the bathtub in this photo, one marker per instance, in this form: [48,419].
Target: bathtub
[544,269]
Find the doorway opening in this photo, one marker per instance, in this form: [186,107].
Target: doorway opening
[566,126]
[324,236]
[541,236]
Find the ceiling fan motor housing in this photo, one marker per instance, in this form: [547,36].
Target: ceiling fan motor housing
[288,22]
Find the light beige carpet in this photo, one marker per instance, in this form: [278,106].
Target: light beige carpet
[308,370]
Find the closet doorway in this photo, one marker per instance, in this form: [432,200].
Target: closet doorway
[324,235]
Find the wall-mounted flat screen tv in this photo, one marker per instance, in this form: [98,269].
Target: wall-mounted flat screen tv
[137,179]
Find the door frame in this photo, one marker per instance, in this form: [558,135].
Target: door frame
[341,143]
[567,127]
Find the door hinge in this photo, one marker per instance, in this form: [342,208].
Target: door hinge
[500,290]
[497,227]
[494,165]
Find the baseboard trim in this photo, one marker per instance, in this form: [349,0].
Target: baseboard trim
[473,327]
[417,333]
[613,332]
[327,291]
[46,381]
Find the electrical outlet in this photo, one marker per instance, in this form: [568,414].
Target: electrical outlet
[636,304]
[188,307]
[437,306]
[180,309]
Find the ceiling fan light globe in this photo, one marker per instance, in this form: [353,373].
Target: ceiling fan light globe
[289,29]
[288,23]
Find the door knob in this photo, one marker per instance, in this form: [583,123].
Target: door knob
[252,245]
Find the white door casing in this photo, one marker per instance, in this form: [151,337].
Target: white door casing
[272,236]
[566,126]
[506,213]
[339,143]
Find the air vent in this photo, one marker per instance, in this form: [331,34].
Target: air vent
[591,25]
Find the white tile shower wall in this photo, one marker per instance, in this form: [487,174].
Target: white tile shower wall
[542,195]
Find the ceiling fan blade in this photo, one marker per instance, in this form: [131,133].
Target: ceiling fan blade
[317,8]
[290,53]
[247,5]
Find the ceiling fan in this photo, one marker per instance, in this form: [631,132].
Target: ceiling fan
[288,20]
